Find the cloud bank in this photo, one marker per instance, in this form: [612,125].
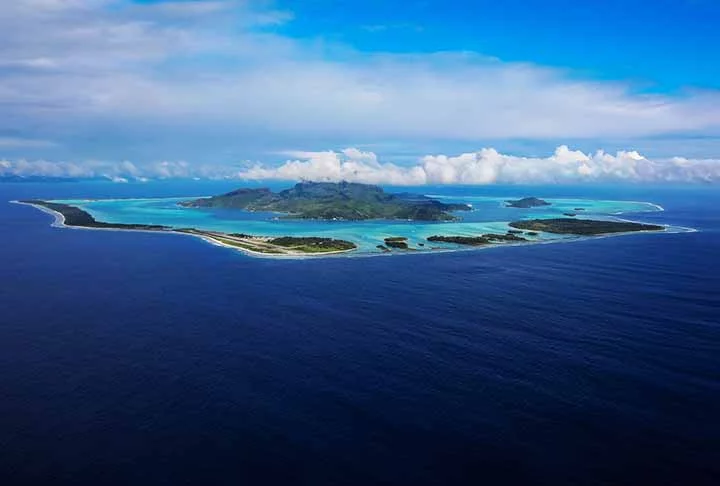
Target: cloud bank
[486,166]
[115,171]
[69,66]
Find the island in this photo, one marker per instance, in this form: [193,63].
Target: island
[73,216]
[585,227]
[350,202]
[399,242]
[526,202]
[486,239]
[460,240]
[284,245]
[504,238]
[346,201]
[569,226]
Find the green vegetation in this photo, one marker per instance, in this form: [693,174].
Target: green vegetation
[74,216]
[334,201]
[527,202]
[485,239]
[313,244]
[354,195]
[399,242]
[460,240]
[583,226]
[508,237]
[246,246]
[285,245]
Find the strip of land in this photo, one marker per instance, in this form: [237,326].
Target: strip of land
[72,216]
[565,226]
[285,245]
[583,227]
[76,217]
[486,239]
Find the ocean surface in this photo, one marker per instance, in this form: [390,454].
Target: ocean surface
[132,358]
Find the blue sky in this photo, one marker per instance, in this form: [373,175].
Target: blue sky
[234,82]
[662,45]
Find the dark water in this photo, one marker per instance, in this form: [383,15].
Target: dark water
[134,359]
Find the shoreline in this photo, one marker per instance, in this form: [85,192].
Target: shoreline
[259,254]
[59,222]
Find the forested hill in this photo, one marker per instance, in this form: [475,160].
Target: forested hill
[334,201]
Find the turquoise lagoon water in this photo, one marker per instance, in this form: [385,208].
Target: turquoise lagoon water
[489,215]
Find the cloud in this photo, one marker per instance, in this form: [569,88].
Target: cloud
[15,142]
[377,28]
[72,64]
[189,7]
[42,6]
[115,171]
[486,166]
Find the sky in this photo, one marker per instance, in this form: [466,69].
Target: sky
[410,92]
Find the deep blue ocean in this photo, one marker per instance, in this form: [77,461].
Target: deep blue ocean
[148,359]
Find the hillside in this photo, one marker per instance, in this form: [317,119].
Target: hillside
[334,201]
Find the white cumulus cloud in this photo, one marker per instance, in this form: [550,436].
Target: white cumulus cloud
[17,142]
[124,171]
[488,166]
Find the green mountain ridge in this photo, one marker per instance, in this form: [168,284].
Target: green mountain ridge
[334,201]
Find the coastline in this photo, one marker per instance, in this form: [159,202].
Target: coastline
[59,222]
[59,219]
[259,254]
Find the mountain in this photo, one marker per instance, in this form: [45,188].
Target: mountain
[334,201]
